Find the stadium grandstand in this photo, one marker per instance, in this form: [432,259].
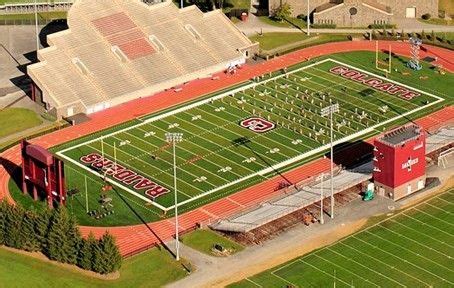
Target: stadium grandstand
[118,50]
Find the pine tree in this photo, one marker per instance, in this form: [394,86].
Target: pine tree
[432,36]
[3,211]
[74,241]
[107,256]
[86,252]
[57,240]
[42,224]
[13,223]
[28,235]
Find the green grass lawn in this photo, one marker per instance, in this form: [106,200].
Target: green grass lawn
[290,22]
[273,40]
[236,4]
[438,21]
[203,241]
[409,249]
[153,268]
[14,120]
[215,131]
[42,16]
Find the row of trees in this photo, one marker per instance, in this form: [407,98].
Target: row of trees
[56,235]
[431,37]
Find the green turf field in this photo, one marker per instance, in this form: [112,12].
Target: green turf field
[218,152]
[413,248]
[219,157]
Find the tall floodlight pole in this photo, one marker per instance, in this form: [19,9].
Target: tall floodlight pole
[181,5]
[322,221]
[330,110]
[308,20]
[36,27]
[174,138]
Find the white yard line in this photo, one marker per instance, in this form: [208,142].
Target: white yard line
[435,217]
[329,275]
[263,171]
[426,224]
[421,244]
[350,272]
[383,262]
[405,260]
[419,232]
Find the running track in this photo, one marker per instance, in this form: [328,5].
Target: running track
[132,239]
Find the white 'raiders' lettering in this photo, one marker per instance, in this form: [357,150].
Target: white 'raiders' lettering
[257,124]
[373,82]
[409,163]
[124,175]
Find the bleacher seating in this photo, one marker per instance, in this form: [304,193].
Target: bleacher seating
[192,44]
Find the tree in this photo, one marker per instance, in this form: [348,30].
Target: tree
[107,256]
[432,36]
[74,241]
[57,240]
[14,217]
[42,223]
[283,12]
[423,35]
[86,252]
[29,240]
[3,210]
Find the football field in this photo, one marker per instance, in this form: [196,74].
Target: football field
[413,248]
[265,125]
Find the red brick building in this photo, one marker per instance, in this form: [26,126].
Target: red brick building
[399,162]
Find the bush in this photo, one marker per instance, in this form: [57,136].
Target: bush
[382,26]
[426,16]
[302,17]
[323,26]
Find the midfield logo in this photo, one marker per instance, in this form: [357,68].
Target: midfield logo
[258,125]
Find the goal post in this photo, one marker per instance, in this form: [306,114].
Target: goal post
[383,65]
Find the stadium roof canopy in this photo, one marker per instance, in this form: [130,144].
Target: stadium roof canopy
[118,50]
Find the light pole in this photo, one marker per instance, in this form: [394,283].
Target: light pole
[308,20]
[175,138]
[181,5]
[322,221]
[330,110]
[36,28]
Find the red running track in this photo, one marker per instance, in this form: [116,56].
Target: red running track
[136,238]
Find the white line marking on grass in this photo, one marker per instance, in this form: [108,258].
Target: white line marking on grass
[260,172]
[419,232]
[405,260]
[285,280]
[181,165]
[435,217]
[350,272]
[330,275]
[419,243]
[378,260]
[426,224]
[445,201]
[112,181]
[440,209]
[148,164]
[255,283]
[387,80]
